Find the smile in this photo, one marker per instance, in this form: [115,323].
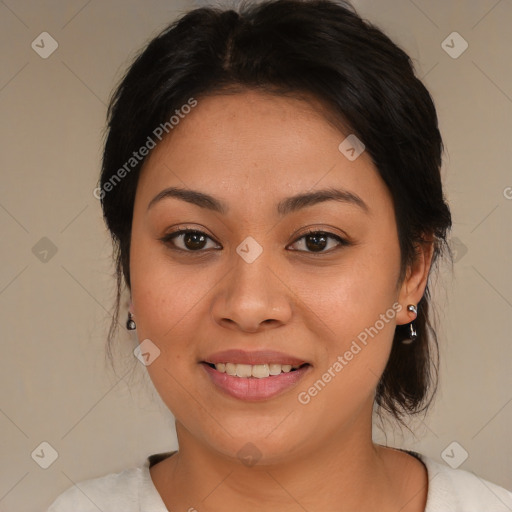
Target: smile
[254,382]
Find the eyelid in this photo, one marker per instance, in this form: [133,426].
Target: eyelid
[168,238]
[327,230]
[342,240]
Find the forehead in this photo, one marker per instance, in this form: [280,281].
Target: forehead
[254,146]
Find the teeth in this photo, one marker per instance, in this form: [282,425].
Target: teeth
[259,371]
[275,369]
[243,370]
[230,368]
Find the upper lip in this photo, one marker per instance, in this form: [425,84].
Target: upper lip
[255,357]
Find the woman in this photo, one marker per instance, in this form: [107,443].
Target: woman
[271,182]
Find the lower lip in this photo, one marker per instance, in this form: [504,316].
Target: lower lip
[252,388]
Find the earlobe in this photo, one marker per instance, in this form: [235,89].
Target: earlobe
[414,284]
[413,334]
[130,322]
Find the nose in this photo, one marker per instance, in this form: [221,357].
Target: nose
[252,297]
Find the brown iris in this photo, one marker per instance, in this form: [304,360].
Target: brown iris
[316,241]
[194,240]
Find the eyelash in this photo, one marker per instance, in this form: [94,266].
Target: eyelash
[341,241]
[169,240]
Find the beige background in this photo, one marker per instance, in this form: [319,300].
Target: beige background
[56,386]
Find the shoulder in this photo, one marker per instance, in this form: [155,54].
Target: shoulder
[455,490]
[112,492]
[131,490]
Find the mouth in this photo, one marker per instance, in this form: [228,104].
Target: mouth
[256,382]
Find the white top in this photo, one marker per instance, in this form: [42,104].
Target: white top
[132,490]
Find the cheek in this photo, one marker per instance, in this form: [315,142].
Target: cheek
[355,312]
[167,299]
[165,293]
[354,333]
[352,296]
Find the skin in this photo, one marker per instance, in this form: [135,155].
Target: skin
[250,150]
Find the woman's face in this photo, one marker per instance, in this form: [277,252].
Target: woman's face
[257,173]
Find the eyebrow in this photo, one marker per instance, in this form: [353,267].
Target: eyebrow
[284,207]
[294,203]
[190,196]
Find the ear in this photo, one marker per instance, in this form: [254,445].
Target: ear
[415,282]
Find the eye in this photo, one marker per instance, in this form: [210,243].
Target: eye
[190,240]
[318,242]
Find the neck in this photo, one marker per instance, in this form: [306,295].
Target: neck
[347,473]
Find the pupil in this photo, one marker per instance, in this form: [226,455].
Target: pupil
[316,242]
[194,240]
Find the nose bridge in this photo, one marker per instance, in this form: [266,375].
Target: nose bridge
[253,275]
[252,294]
[251,257]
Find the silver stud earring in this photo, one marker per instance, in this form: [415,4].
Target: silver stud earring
[413,334]
[130,323]
[412,307]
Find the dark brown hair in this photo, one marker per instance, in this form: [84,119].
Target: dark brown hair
[316,48]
